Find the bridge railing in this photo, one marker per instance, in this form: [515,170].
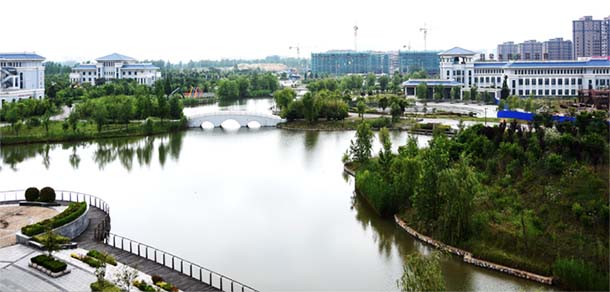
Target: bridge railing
[176,263]
[236,113]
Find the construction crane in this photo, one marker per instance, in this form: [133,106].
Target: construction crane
[356,38]
[425,31]
[298,48]
[408,47]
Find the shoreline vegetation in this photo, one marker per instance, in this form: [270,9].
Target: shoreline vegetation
[88,131]
[533,198]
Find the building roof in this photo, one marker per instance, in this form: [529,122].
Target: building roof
[115,57]
[434,82]
[85,67]
[21,56]
[139,66]
[457,51]
[545,64]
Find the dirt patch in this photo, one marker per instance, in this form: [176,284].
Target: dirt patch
[13,217]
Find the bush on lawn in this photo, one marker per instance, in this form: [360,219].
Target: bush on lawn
[49,263]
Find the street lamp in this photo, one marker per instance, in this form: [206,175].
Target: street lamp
[485,117]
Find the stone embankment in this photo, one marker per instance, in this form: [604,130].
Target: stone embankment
[467,256]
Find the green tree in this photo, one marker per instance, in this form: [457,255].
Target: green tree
[125,112]
[427,202]
[385,153]
[383,103]
[360,150]
[283,97]
[309,107]
[50,240]
[383,82]
[46,121]
[421,90]
[455,93]
[175,108]
[474,94]
[457,186]
[162,107]
[505,90]
[99,116]
[370,81]
[73,120]
[422,273]
[438,92]
[395,111]
[361,106]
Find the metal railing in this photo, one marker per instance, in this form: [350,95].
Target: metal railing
[235,113]
[100,231]
[176,263]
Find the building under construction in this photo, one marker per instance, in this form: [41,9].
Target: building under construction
[599,98]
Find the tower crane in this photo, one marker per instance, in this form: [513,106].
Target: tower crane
[425,31]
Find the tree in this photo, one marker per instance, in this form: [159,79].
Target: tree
[457,186]
[361,106]
[395,111]
[309,107]
[427,201]
[383,82]
[438,92]
[175,108]
[162,107]
[283,97]
[505,90]
[73,120]
[125,112]
[422,273]
[421,90]
[125,277]
[99,116]
[50,240]
[46,120]
[385,153]
[370,81]
[455,93]
[383,103]
[360,150]
[17,127]
[474,92]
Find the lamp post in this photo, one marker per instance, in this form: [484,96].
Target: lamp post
[486,117]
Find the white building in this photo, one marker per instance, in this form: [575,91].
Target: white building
[525,78]
[21,76]
[115,66]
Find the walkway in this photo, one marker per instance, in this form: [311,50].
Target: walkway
[242,117]
[182,281]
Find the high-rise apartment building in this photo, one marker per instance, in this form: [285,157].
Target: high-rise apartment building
[587,36]
[507,51]
[530,50]
[557,49]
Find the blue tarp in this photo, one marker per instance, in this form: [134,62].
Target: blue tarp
[529,116]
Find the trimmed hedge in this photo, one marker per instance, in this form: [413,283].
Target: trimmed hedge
[32,194]
[47,194]
[41,238]
[104,286]
[98,255]
[50,263]
[73,211]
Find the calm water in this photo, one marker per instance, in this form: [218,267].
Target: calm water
[268,207]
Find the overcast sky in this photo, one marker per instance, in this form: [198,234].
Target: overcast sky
[181,30]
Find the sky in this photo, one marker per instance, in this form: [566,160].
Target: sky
[183,30]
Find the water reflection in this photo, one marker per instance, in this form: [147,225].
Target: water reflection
[105,151]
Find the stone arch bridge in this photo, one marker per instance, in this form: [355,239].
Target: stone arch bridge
[242,117]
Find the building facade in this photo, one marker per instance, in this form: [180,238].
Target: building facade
[411,61]
[115,66]
[606,36]
[21,76]
[526,78]
[350,62]
[587,36]
[557,49]
[530,50]
[507,51]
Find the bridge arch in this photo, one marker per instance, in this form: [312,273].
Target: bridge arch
[241,117]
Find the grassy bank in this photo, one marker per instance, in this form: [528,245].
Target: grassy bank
[346,124]
[84,131]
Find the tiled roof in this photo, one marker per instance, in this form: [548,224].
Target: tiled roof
[415,82]
[115,57]
[457,51]
[140,66]
[545,64]
[21,56]
[85,66]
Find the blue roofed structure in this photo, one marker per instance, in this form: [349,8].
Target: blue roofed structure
[21,56]
[140,66]
[456,51]
[115,57]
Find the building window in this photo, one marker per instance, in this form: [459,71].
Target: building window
[539,91]
[520,92]
[520,82]
[560,81]
[553,92]
[546,92]
[533,81]
[559,92]
[553,82]
[527,82]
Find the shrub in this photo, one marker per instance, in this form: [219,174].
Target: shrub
[47,194]
[143,286]
[43,238]
[33,122]
[156,279]
[579,275]
[381,122]
[104,286]
[32,194]
[166,286]
[49,263]
[73,211]
[98,255]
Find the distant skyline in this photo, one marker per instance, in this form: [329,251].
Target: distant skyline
[183,30]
